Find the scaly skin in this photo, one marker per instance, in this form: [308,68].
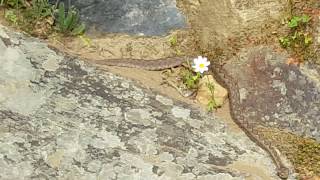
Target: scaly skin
[246,126]
[227,82]
[151,65]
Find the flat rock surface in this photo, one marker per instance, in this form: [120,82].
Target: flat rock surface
[152,17]
[63,119]
[276,94]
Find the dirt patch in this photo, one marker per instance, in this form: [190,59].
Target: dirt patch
[255,172]
[124,46]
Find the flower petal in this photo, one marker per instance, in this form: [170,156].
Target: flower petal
[200,64]
[195,61]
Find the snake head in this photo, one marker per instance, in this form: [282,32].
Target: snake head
[283,172]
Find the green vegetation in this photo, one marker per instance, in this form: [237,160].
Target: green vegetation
[39,9]
[173,40]
[12,3]
[212,102]
[40,18]
[303,153]
[307,156]
[69,23]
[190,79]
[11,17]
[299,38]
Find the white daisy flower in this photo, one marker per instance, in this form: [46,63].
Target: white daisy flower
[200,64]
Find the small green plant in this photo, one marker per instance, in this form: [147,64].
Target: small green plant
[13,3]
[211,105]
[86,40]
[285,42]
[190,79]
[212,102]
[11,17]
[69,23]
[297,21]
[39,9]
[39,17]
[173,40]
[298,38]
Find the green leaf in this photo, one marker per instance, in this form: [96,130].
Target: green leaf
[86,40]
[70,18]
[307,40]
[78,30]
[305,18]
[285,42]
[11,16]
[173,40]
[294,22]
[75,19]
[61,17]
[212,105]
[195,78]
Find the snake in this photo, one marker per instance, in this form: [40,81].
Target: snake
[221,77]
[151,65]
[226,81]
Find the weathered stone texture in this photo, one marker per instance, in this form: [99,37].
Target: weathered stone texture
[152,17]
[63,119]
[275,93]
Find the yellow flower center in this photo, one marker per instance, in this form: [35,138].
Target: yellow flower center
[201,65]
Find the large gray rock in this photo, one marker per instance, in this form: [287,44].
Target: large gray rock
[152,17]
[274,93]
[63,119]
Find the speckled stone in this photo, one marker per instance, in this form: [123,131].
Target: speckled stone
[276,94]
[63,119]
[152,17]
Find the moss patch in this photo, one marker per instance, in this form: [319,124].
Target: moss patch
[303,153]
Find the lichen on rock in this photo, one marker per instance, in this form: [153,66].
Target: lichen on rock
[91,124]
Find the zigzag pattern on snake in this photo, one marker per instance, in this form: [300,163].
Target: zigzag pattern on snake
[234,96]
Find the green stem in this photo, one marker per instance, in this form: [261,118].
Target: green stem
[211,89]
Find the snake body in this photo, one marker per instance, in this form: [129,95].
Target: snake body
[247,126]
[223,78]
[151,65]
[234,97]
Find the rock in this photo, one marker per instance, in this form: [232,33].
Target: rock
[204,94]
[152,17]
[274,93]
[216,22]
[91,124]
[94,166]
[54,159]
